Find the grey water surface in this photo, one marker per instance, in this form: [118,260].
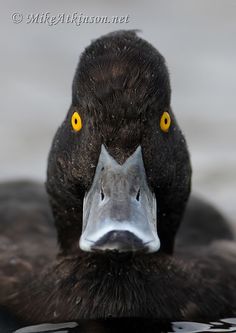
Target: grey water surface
[221,326]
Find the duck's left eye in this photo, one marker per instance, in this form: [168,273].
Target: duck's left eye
[76,122]
[165,122]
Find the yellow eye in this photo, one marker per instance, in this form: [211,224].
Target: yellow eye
[76,122]
[165,122]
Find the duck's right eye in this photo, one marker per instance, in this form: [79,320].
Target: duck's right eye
[76,122]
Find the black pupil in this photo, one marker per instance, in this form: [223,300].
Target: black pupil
[166,121]
[76,121]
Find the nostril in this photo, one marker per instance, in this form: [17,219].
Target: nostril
[138,195]
[102,194]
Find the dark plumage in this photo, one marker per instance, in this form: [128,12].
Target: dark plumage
[121,89]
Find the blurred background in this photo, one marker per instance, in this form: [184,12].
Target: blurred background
[197,38]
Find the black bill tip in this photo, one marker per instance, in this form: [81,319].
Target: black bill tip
[120,240]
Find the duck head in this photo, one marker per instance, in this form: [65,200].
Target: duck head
[119,172]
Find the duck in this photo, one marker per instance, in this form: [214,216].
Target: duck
[115,231]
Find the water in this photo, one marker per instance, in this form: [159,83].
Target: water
[132,325]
